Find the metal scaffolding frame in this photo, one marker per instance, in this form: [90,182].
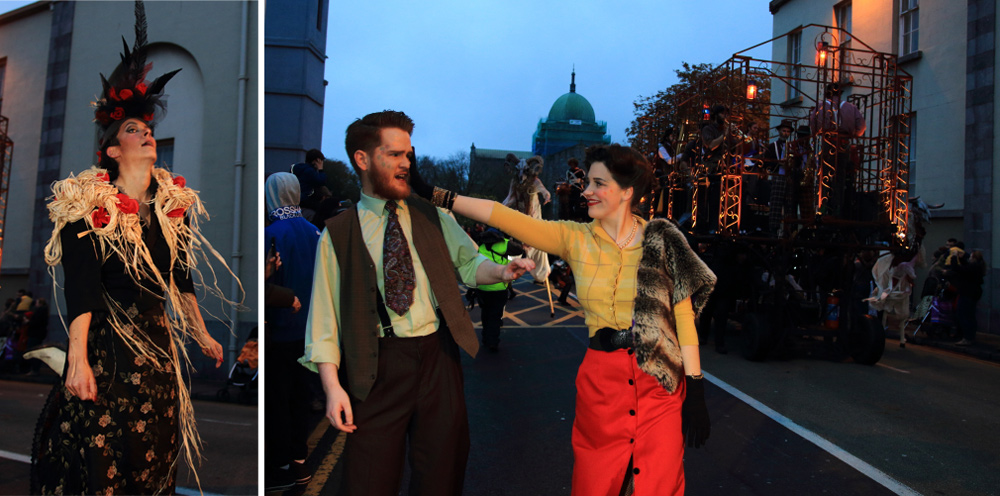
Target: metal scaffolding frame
[874,82]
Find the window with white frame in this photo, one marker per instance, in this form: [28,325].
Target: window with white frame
[909,25]
[911,128]
[3,71]
[165,153]
[842,19]
[794,64]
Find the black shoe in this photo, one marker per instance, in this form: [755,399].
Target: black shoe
[300,473]
[564,303]
[493,348]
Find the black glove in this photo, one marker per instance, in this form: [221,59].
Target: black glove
[417,183]
[695,424]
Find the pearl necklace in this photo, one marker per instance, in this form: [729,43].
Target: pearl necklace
[631,235]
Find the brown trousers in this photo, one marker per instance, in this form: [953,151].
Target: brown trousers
[418,399]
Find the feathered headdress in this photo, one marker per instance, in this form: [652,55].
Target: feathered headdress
[126,92]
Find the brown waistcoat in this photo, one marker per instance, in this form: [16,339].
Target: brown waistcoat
[358,282]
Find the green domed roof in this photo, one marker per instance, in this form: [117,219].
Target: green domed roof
[572,106]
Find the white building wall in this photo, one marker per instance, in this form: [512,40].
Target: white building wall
[25,44]
[939,103]
[203,114]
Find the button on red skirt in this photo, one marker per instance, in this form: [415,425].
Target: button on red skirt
[622,413]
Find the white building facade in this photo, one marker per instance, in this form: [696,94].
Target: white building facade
[51,53]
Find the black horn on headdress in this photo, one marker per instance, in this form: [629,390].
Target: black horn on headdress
[126,94]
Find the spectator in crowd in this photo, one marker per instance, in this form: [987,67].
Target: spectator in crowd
[312,180]
[287,386]
[967,276]
[38,329]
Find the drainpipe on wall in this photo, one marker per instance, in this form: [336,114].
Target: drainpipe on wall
[240,165]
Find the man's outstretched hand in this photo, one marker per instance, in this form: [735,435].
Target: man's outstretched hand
[516,268]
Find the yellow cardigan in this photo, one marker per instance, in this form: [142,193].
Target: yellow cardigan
[605,274]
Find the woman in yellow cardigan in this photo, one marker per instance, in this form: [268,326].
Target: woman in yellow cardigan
[640,286]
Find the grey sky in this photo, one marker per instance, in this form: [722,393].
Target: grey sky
[487,71]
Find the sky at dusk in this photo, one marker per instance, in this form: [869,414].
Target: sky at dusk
[485,72]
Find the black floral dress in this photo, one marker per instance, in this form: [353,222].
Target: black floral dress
[125,442]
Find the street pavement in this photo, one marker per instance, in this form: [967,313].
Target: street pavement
[228,432]
[922,421]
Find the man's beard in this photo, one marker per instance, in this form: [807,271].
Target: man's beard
[383,187]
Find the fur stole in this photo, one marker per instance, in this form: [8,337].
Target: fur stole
[669,271]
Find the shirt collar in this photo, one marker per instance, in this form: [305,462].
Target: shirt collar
[376,205]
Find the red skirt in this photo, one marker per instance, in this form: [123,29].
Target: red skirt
[622,413]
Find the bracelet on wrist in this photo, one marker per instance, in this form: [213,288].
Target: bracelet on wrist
[699,376]
[443,198]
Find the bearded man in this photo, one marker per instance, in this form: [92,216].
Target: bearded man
[386,321]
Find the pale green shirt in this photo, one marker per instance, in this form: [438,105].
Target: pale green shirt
[322,326]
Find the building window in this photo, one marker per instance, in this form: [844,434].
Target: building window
[165,153]
[911,145]
[319,14]
[3,72]
[795,64]
[909,24]
[842,20]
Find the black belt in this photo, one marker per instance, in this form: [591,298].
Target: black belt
[608,339]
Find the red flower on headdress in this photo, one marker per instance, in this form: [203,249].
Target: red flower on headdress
[125,94]
[177,212]
[141,88]
[98,156]
[179,181]
[127,205]
[117,113]
[102,116]
[100,217]
[112,94]
[103,176]
[147,117]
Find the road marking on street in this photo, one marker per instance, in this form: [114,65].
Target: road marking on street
[841,454]
[224,422]
[17,457]
[893,368]
[325,467]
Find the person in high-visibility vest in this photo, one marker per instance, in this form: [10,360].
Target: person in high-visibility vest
[493,297]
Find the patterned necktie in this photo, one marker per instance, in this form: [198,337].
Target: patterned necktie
[397,265]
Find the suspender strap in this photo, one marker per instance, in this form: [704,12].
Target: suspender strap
[383,316]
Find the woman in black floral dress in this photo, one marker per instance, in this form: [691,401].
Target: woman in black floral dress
[126,234]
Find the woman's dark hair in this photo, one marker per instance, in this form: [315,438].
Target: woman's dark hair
[108,163]
[627,167]
[109,137]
